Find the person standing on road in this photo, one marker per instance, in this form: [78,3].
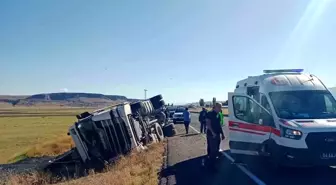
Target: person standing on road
[202,119]
[214,133]
[186,119]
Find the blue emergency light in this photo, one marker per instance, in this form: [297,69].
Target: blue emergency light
[284,71]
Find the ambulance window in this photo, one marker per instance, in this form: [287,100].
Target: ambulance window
[239,106]
[247,110]
[254,92]
[328,104]
[265,103]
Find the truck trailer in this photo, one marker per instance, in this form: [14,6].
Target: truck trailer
[102,136]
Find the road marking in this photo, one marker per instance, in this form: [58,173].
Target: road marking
[242,168]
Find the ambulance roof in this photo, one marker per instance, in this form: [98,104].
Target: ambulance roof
[281,81]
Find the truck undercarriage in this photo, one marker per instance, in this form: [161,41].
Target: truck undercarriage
[104,135]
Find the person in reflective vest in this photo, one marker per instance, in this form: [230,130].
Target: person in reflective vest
[221,116]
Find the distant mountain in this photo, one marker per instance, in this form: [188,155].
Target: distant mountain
[65,99]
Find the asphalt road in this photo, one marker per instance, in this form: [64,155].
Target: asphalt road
[260,173]
[185,155]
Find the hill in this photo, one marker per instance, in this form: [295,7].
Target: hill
[64,99]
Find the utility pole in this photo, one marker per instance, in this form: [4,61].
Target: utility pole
[145,93]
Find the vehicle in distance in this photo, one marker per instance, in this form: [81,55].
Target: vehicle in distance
[284,115]
[178,115]
[171,111]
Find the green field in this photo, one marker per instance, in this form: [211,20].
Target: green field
[34,131]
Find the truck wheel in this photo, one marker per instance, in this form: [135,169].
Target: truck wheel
[169,130]
[150,106]
[155,100]
[135,107]
[162,103]
[144,108]
[158,131]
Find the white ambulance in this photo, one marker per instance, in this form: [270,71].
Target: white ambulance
[285,115]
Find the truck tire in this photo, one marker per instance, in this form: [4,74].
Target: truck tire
[155,100]
[149,105]
[169,130]
[158,131]
[136,107]
[143,108]
[146,107]
[162,103]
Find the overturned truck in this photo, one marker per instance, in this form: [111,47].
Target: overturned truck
[102,136]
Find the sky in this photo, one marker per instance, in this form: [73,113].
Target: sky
[184,50]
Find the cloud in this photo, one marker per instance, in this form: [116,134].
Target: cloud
[64,90]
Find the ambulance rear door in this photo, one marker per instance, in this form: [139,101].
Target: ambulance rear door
[250,125]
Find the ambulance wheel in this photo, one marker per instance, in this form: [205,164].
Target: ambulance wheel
[274,158]
[159,132]
[238,159]
[275,164]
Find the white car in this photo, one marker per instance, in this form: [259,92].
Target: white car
[178,115]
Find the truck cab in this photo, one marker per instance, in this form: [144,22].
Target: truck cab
[284,115]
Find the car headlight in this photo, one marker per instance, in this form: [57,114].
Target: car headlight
[291,133]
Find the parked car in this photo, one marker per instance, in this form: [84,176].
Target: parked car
[171,111]
[178,115]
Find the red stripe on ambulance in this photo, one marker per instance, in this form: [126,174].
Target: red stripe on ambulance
[250,132]
[254,127]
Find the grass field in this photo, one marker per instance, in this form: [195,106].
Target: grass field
[35,131]
[138,168]
[29,132]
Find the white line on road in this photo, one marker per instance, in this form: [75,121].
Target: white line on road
[242,168]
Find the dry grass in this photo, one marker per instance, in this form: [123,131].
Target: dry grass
[29,179]
[139,168]
[49,148]
[30,132]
